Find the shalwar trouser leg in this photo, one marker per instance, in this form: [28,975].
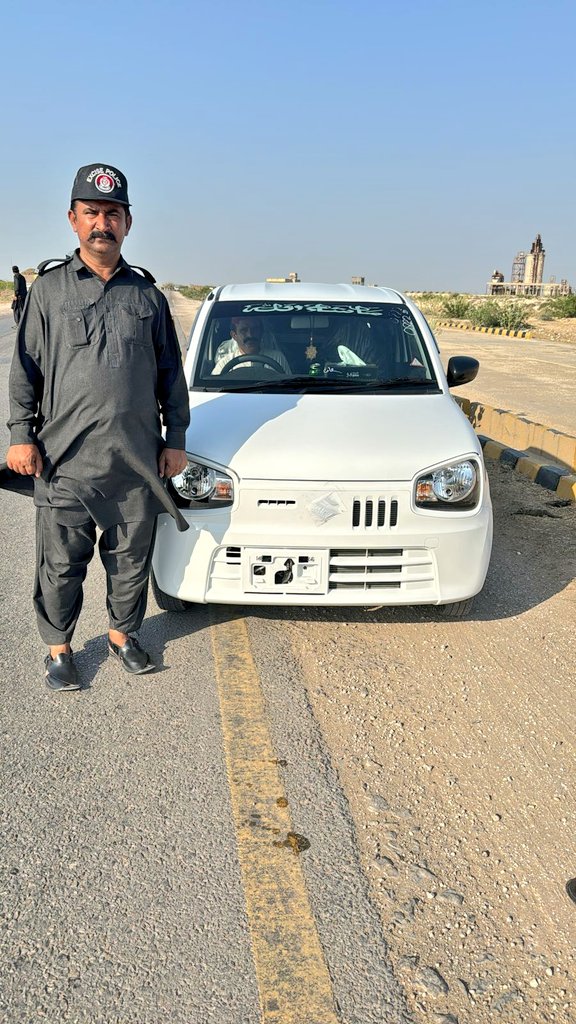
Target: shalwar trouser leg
[65,541]
[126,554]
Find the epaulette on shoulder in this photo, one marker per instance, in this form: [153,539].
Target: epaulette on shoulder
[44,268]
[145,273]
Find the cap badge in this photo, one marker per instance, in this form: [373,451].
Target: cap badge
[104,183]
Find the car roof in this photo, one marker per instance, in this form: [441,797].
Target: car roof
[304,291]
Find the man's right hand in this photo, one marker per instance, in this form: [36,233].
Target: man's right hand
[25,459]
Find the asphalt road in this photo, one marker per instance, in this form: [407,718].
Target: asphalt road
[302,816]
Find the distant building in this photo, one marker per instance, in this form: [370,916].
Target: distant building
[518,268]
[527,274]
[534,269]
[358,280]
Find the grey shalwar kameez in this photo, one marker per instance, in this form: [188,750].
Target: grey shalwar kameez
[97,367]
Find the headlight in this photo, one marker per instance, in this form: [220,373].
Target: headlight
[202,484]
[455,487]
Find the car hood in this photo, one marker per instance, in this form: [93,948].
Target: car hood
[328,437]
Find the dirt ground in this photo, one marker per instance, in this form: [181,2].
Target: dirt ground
[554,330]
[454,743]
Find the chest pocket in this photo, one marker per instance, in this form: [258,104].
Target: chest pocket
[77,324]
[135,324]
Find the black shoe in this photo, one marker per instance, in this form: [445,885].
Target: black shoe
[131,656]
[61,672]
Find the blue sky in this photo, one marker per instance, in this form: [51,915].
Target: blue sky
[418,144]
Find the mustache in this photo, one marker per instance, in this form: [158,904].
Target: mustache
[108,235]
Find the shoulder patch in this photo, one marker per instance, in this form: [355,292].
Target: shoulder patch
[145,273]
[44,267]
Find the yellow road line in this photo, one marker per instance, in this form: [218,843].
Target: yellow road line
[293,979]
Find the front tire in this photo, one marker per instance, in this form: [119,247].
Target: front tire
[456,610]
[166,602]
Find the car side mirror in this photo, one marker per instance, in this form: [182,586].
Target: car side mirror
[461,370]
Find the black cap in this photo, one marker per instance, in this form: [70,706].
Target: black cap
[100,181]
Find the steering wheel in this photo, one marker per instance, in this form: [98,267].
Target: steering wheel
[247,358]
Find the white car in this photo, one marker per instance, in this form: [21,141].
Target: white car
[328,463]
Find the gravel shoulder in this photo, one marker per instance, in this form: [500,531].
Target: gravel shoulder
[454,745]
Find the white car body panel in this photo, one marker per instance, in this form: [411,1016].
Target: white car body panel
[326,481]
[359,437]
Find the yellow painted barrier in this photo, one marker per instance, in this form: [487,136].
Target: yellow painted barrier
[566,489]
[451,325]
[529,467]
[493,449]
[513,431]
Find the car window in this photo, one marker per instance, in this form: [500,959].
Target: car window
[244,343]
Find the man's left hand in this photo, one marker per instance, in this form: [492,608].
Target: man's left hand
[171,462]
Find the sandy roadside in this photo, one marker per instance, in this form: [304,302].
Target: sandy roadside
[454,744]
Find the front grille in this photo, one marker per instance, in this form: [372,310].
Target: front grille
[379,568]
[233,556]
[368,513]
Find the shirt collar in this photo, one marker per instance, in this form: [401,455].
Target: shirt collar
[78,265]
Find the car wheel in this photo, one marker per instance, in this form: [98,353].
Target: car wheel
[166,602]
[456,610]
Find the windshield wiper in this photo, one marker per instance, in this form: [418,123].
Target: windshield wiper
[268,385]
[330,384]
[405,382]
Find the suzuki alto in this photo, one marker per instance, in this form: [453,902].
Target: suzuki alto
[328,463]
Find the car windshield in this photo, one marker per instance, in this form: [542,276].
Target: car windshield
[312,346]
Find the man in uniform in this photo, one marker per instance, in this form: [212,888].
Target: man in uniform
[19,294]
[96,373]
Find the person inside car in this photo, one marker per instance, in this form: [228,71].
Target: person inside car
[245,340]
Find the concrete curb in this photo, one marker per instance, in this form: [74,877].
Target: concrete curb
[561,481]
[517,432]
[454,326]
[552,464]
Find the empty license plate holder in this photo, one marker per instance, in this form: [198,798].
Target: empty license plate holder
[284,571]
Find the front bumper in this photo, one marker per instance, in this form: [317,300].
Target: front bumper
[324,544]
